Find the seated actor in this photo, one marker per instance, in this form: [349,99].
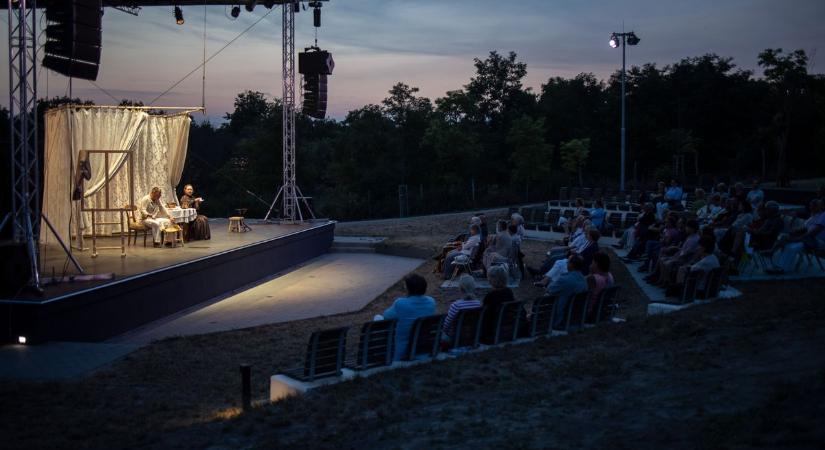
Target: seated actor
[154,214]
[199,229]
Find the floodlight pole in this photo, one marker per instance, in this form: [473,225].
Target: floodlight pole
[621,177]
[621,39]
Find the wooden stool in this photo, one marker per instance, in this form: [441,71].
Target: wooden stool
[237,225]
[173,234]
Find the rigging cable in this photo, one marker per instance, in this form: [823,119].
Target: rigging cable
[212,56]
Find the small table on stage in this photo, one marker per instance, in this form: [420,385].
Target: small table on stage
[182,217]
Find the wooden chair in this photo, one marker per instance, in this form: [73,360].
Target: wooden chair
[135,225]
[324,356]
[425,337]
[376,345]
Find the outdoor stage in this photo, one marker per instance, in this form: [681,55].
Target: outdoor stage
[152,283]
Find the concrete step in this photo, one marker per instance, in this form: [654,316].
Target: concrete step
[351,249]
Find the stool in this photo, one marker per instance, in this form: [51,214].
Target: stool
[238,225]
[173,234]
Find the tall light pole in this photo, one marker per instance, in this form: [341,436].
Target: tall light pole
[623,40]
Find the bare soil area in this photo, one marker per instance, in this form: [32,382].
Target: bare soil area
[744,373]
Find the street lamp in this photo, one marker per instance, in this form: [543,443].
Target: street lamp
[623,40]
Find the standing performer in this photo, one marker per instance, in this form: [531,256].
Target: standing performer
[154,214]
[199,229]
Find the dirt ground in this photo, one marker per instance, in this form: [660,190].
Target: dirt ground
[745,373]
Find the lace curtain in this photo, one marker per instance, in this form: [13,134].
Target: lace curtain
[158,146]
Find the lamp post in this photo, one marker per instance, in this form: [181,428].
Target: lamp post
[623,40]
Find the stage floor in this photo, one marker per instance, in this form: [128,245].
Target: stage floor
[140,259]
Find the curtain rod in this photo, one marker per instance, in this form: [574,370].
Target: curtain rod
[170,108]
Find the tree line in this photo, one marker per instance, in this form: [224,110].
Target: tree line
[496,142]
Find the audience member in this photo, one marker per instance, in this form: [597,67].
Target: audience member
[770,225]
[755,197]
[566,287]
[500,248]
[672,258]
[467,249]
[499,295]
[598,279]
[674,192]
[597,215]
[467,286]
[699,202]
[406,309]
[811,237]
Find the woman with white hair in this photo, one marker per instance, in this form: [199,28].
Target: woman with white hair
[517,220]
[497,275]
[468,300]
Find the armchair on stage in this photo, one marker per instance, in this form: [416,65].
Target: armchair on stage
[97,159]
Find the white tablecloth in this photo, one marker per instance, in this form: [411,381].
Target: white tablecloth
[183,215]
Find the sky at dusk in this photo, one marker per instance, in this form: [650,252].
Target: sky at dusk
[425,43]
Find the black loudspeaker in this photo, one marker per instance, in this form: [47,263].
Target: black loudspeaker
[315,62]
[73,37]
[315,65]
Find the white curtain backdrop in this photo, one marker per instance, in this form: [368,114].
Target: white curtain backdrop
[158,146]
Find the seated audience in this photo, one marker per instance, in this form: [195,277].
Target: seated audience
[770,224]
[154,214]
[705,261]
[566,287]
[669,236]
[500,248]
[467,248]
[672,258]
[811,237]
[406,309]
[598,279]
[500,294]
[199,228]
[467,286]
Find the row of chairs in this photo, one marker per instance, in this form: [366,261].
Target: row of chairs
[326,350]
[547,220]
[609,206]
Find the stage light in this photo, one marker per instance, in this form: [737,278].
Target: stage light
[178,15]
[268,4]
[21,339]
[236,11]
[250,5]
[632,39]
[614,41]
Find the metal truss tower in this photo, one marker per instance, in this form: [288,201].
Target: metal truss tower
[289,193]
[24,216]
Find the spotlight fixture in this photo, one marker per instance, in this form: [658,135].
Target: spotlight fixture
[614,41]
[632,39]
[268,4]
[250,5]
[178,15]
[21,339]
[236,11]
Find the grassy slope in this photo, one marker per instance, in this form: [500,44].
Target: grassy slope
[739,373]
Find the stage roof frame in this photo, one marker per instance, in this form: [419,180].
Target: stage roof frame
[148,3]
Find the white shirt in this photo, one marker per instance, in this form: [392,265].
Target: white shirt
[471,243]
[706,264]
[150,209]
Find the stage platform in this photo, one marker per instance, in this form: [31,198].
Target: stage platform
[152,283]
